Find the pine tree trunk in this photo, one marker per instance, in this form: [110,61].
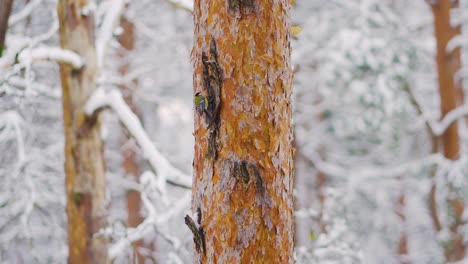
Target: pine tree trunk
[243,164]
[448,63]
[84,162]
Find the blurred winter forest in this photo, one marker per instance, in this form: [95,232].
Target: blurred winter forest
[374,182]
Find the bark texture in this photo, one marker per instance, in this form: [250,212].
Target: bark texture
[243,164]
[84,162]
[5,11]
[448,63]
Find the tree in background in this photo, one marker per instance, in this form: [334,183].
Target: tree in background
[84,161]
[347,119]
[32,202]
[380,130]
[130,163]
[451,94]
[32,199]
[242,190]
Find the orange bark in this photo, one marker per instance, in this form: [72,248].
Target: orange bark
[447,65]
[84,161]
[243,164]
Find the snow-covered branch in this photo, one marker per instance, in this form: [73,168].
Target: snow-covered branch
[12,120]
[53,54]
[38,88]
[111,19]
[435,128]
[306,213]
[24,12]
[158,162]
[454,43]
[184,4]
[151,223]
[439,127]
[377,172]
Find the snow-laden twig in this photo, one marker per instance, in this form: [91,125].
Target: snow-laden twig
[25,12]
[19,43]
[174,258]
[106,30]
[159,183]
[439,127]
[89,8]
[152,222]
[13,120]
[38,88]
[158,162]
[184,4]
[306,213]
[52,54]
[377,172]
[454,43]
[458,16]
[326,167]
[435,128]
[51,32]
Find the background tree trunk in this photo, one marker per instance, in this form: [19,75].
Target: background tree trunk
[84,162]
[130,162]
[448,63]
[5,11]
[243,165]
